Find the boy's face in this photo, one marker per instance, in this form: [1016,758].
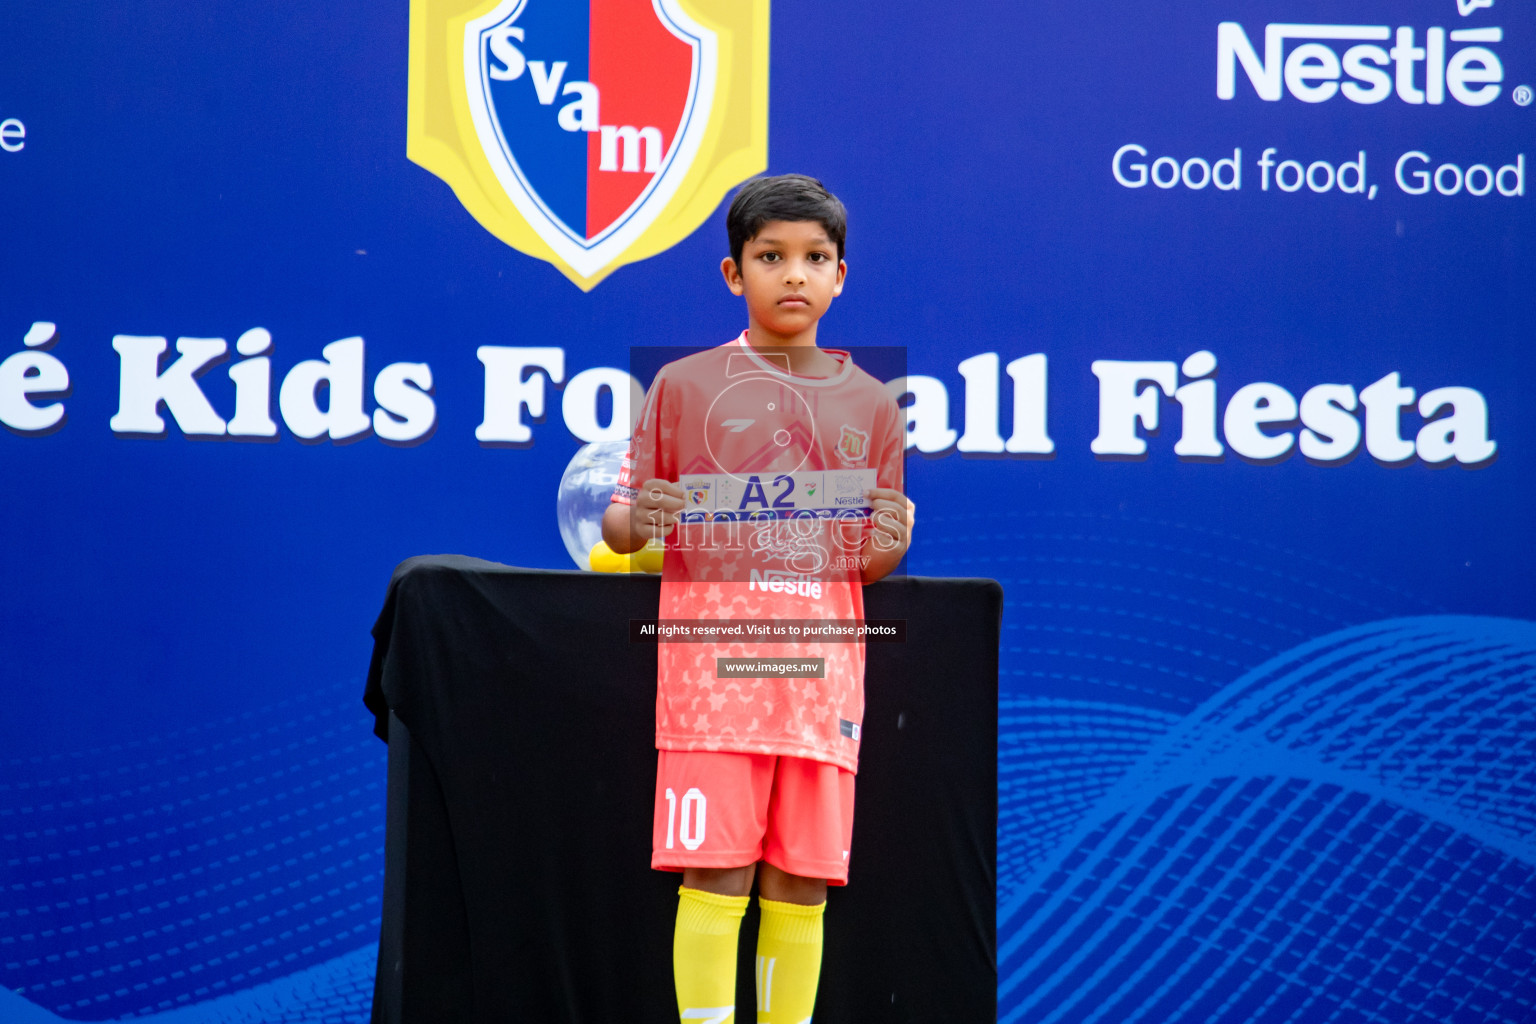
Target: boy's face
[789,275]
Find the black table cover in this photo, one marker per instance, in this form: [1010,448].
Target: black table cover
[520,714]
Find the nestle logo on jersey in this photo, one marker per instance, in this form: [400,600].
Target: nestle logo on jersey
[776,581]
[1313,72]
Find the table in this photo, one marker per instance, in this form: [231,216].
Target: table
[519,714]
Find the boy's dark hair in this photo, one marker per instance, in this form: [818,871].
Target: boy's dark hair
[783,197]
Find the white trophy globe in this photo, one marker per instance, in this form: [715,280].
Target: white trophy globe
[585,491]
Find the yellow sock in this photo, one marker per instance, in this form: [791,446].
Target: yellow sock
[704,955]
[788,961]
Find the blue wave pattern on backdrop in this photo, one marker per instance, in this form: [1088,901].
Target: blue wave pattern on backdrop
[177,869]
[1347,831]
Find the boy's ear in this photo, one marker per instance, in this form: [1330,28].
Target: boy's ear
[732,274]
[842,274]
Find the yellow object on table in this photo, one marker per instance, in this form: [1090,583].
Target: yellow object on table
[648,558]
[602,558]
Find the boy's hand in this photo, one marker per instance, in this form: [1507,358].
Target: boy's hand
[654,513]
[891,518]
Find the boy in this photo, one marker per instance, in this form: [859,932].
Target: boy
[755,773]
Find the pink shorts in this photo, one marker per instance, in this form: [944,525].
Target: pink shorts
[724,810]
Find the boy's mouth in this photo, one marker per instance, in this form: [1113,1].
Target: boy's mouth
[794,299]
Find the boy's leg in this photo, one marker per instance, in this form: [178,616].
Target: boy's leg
[788,945]
[709,909]
[708,823]
[704,955]
[810,824]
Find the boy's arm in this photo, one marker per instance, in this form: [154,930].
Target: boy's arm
[643,511]
[626,527]
[890,532]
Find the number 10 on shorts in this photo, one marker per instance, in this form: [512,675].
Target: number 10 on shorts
[690,830]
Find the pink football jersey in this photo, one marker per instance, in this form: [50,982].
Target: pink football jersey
[773,466]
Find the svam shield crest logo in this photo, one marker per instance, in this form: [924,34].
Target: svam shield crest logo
[589,133]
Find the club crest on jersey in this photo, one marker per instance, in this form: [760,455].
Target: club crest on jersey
[589,133]
[853,445]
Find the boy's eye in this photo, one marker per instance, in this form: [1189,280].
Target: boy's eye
[770,257]
[818,257]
